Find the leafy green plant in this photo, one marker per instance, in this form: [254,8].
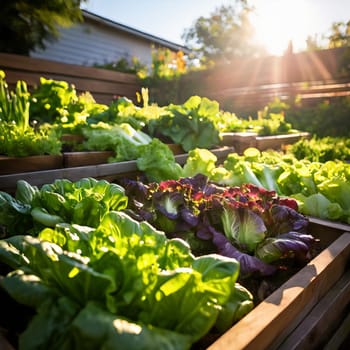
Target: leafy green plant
[322,149]
[122,139]
[245,222]
[125,66]
[14,105]
[31,142]
[166,65]
[157,161]
[26,26]
[268,121]
[17,137]
[321,189]
[123,279]
[192,124]
[57,102]
[85,201]
[123,110]
[327,118]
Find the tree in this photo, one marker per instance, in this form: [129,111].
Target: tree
[314,43]
[26,24]
[226,34]
[340,35]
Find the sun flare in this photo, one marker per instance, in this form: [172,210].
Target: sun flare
[278,22]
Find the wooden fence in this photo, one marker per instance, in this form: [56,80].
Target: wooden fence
[251,83]
[104,85]
[243,85]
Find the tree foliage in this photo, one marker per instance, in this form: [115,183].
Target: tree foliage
[226,34]
[26,24]
[340,35]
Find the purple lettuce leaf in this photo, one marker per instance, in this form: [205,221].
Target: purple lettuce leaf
[286,219]
[248,264]
[172,214]
[244,227]
[288,245]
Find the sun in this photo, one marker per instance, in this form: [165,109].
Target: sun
[279,22]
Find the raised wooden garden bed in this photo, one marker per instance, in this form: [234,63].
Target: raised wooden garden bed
[238,140]
[307,310]
[12,165]
[242,140]
[110,171]
[279,141]
[75,159]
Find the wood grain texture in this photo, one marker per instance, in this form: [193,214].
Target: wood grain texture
[323,320]
[76,159]
[12,165]
[242,140]
[38,178]
[272,320]
[104,85]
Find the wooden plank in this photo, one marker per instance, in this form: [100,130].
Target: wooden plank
[326,230]
[242,140]
[75,159]
[4,344]
[11,165]
[329,224]
[238,140]
[38,178]
[340,337]
[250,84]
[312,66]
[219,83]
[81,84]
[319,325]
[255,95]
[274,318]
[104,85]
[277,141]
[25,63]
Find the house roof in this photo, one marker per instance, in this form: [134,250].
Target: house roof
[138,33]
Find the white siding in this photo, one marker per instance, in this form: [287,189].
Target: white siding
[89,43]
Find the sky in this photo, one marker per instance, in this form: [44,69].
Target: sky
[276,22]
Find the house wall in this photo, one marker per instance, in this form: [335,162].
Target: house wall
[89,43]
